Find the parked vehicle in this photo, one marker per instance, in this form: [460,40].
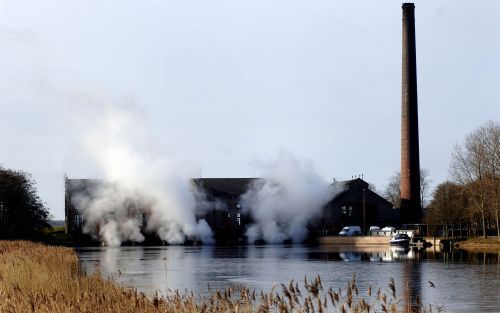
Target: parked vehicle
[375,231]
[387,231]
[350,231]
[400,240]
[409,232]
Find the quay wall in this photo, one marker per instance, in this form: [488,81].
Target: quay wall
[354,241]
[366,240]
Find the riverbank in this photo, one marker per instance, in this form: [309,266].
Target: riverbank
[38,278]
[354,241]
[479,244]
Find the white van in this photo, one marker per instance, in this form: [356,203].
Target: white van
[350,231]
[374,231]
[410,232]
[389,228]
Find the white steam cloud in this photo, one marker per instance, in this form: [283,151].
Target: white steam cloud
[282,204]
[141,190]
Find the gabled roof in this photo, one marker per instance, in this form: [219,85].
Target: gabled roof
[229,186]
[352,184]
[81,184]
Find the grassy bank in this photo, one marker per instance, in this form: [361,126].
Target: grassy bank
[479,244]
[38,278]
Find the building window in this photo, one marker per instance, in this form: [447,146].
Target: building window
[78,221]
[1,214]
[344,211]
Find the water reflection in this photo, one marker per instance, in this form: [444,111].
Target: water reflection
[372,254]
[473,276]
[398,253]
[412,282]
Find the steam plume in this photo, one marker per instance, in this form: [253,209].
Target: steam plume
[138,181]
[290,195]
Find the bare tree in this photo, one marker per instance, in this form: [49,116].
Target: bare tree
[475,164]
[491,134]
[425,187]
[447,206]
[392,193]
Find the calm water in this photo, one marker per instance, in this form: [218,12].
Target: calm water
[464,282]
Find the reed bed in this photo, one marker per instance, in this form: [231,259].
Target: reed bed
[38,278]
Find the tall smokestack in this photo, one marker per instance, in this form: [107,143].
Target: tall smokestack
[410,163]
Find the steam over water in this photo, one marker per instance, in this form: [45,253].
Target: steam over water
[286,200]
[138,179]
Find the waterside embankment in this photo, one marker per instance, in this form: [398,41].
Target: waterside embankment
[39,278]
[354,241]
[479,244]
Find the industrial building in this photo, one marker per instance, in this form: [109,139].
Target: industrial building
[354,204]
[225,216]
[74,188]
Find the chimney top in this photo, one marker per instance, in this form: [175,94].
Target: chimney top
[408,5]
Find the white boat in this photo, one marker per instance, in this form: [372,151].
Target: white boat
[400,240]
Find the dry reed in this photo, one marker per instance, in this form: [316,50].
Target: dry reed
[38,278]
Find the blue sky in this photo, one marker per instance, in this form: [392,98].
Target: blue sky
[223,84]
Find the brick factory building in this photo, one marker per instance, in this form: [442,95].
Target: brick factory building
[356,204]
[229,221]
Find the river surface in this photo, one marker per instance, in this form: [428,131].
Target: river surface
[464,282]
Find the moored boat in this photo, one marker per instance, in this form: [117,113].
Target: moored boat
[400,240]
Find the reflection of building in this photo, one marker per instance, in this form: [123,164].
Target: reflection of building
[357,205]
[220,207]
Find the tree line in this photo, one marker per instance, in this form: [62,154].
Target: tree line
[23,215]
[468,203]
[470,200]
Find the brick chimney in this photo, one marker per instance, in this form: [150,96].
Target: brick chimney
[410,157]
